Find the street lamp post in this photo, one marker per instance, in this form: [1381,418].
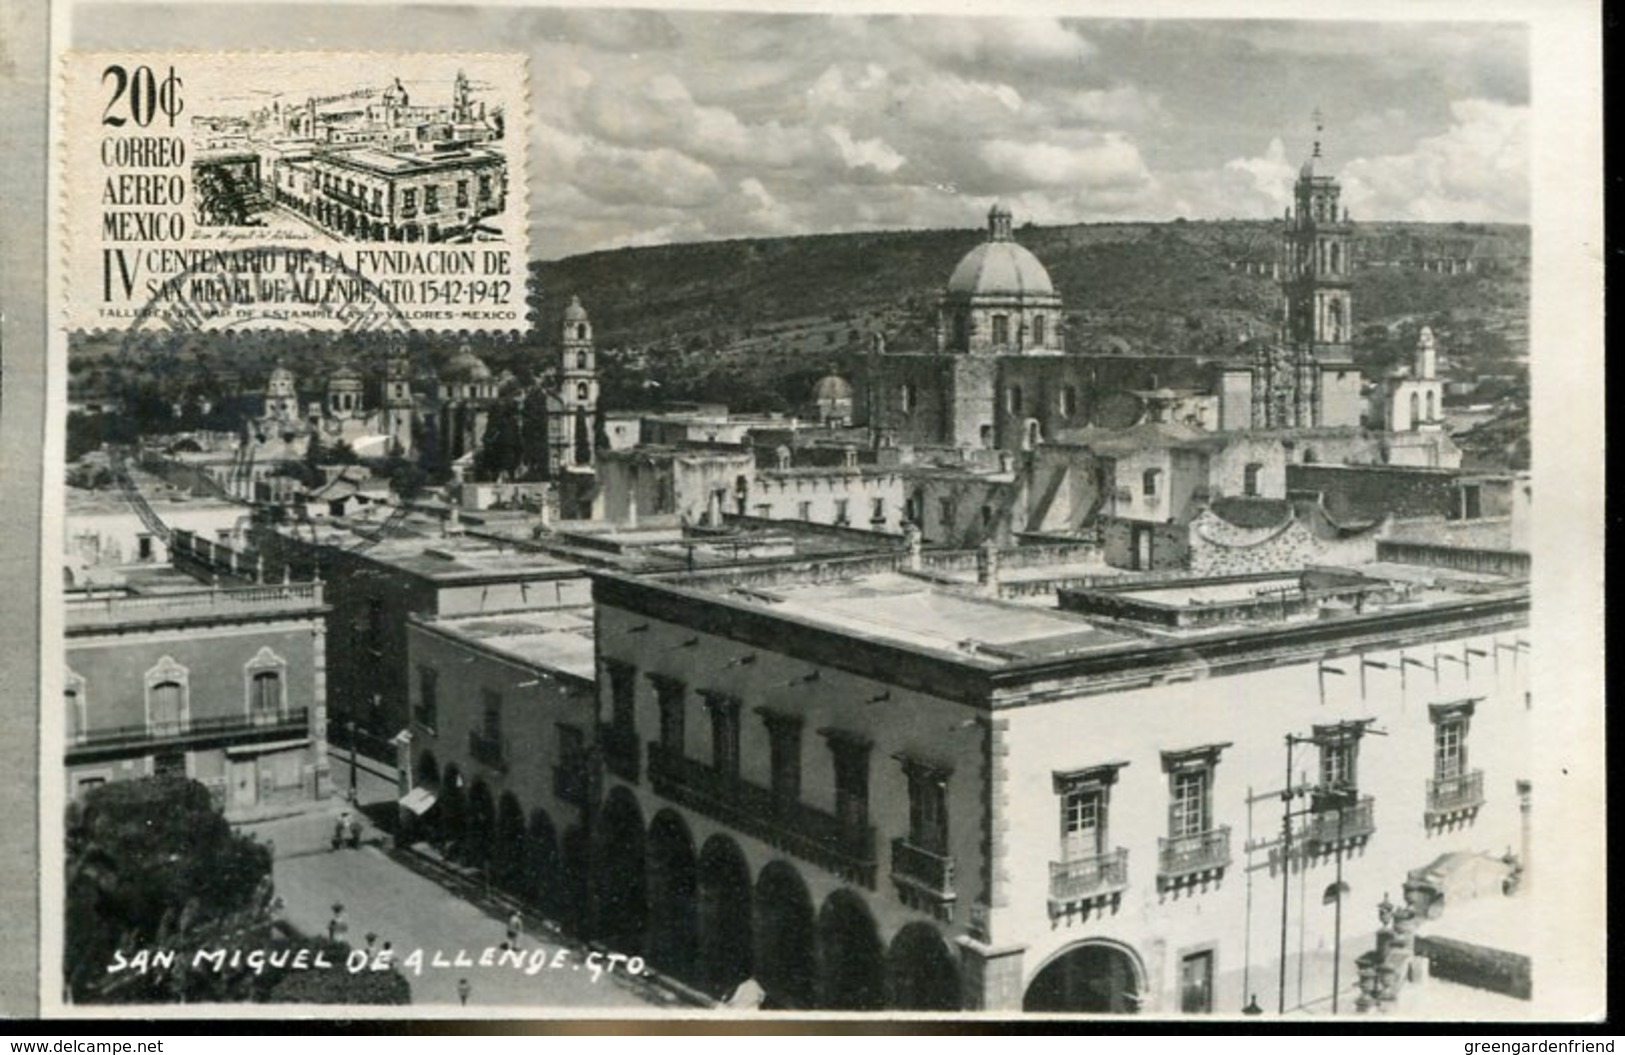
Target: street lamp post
[349,727]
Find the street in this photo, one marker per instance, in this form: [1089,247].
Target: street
[415,915]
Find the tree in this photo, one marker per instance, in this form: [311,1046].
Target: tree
[502,446]
[153,866]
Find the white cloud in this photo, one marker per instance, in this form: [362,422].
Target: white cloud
[1475,170]
[1109,160]
[865,153]
[1271,175]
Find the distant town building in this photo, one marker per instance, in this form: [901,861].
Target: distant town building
[226,686]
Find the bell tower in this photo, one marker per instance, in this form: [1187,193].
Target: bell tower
[1315,286]
[578,384]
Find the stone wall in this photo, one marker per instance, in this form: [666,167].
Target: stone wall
[1218,547]
[1368,492]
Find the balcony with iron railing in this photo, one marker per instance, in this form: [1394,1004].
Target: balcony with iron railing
[1452,797]
[620,750]
[572,780]
[487,750]
[1193,858]
[112,741]
[1330,827]
[1081,881]
[792,827]
[924,878]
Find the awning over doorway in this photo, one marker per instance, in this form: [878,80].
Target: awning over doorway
[418,800]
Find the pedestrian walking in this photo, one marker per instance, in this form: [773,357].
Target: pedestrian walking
[516,927]
[338,928]
[353,832]
[463,989]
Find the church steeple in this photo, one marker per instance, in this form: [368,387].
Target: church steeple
[1315,289]
[578,387]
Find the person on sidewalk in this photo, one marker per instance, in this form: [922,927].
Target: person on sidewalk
[338,928]
[516,927]
[463,989]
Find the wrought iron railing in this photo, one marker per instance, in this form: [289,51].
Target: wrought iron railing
[1188,855]
[1328,827]
[260,725]
[1465,791]
[1081,878]
[925,870]
[796,828]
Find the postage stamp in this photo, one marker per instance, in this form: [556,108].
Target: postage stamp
[275,182]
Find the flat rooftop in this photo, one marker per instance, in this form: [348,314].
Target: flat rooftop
[417,545]
[907,611]
[559,639]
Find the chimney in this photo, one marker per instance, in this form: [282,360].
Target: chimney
[915,543]
[987,567]
[632,503]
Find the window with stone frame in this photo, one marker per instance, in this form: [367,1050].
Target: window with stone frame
[671,696]
[427,713]
[1339,760]
[1001,329]
[265,693]
[1250,479]
[927,805]
[724,713]
[1085,797]
[851,756]
[784,753]
[1149,480]
[1449,748]
[1038,330]
[620,747]
[1190,789]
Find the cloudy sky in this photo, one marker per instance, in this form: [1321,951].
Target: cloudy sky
[650,127]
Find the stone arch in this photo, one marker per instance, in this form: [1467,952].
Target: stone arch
[724,918]
[786,959]
[544,870]
[508,849]
[851,973]
[620,897]
[453,811]
[575,872]
[673,882]
[481,825]
[921,973]
[1093,976]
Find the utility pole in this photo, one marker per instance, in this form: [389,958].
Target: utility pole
[1286,868]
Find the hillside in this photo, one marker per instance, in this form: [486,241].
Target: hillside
[755,322]
[762,313]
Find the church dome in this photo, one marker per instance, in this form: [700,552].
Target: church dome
[281,381]
[832,389]
[466,366]
[344,375]
[575,312]
[999,267]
